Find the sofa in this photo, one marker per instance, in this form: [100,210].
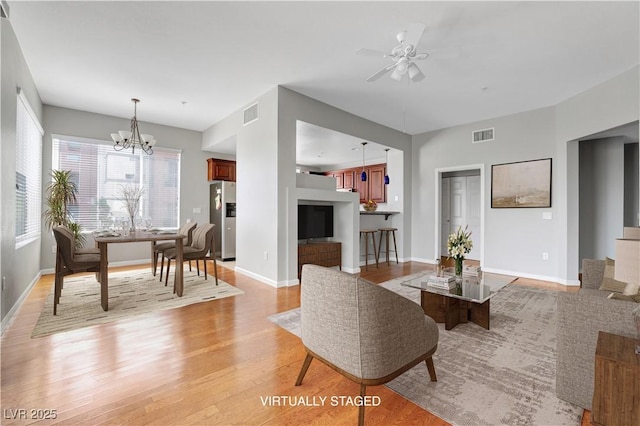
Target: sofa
[581,316]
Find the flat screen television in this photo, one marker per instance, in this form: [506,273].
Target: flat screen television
[314,221]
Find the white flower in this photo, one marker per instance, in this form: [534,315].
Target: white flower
[459,243]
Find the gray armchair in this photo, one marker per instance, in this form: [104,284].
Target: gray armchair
[71,260]
[160,248]
[365,332]
[202,245]
[580,317]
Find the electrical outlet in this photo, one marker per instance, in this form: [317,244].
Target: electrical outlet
[4,283]
[197,210]
[266,255]
[53,249]
[545,256]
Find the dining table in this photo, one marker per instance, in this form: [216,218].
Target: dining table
[102,241]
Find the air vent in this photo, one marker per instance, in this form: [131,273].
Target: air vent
[250,114]
[483,135]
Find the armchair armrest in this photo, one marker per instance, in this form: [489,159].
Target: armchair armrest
[580,317]
[592,273]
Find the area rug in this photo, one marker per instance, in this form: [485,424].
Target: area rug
[131,293]
[502,376]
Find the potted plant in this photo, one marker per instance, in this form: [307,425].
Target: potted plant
[459,244]
[61,192]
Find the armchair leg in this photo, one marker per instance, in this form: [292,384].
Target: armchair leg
[161,267]
[431,368]
[361,410]
[305,367]
[166,278]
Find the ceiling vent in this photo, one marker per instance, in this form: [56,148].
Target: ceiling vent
[250,114]
[483,135]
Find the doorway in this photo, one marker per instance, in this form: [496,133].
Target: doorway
[460,203]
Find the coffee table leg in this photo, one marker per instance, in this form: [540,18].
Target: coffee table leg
[104,276]
[479,314]
[452,312]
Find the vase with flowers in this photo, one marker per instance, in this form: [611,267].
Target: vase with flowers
[459,244]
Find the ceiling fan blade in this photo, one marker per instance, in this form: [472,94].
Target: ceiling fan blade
[414,34]
[382,72]
[371,52]
[420,56]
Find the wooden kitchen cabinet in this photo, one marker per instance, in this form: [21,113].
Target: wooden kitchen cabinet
[374,187]
[218,169]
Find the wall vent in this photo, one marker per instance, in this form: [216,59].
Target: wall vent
[483,135]
[250,114]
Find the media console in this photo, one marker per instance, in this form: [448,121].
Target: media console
[323,253]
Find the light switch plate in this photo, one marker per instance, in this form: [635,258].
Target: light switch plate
[547,215]
[197,210]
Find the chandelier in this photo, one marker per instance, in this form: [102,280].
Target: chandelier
[126,139]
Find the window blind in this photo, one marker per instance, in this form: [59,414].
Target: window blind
[28,172]
[100,173]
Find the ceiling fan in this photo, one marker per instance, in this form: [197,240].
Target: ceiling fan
[403,55]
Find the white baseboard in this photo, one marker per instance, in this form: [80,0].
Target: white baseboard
[260,278]
[8,319]
[533,276]
[421,260]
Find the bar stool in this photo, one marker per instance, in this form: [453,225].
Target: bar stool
[385,232]
[366,233]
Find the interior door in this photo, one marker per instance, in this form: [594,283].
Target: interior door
[473,215]
[458,202]
[445,215]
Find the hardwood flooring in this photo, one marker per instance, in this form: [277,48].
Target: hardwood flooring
[210,363]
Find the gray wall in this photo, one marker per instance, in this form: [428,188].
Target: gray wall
[631,185]
[516,238]
[19,267]
[194,187]
[266,174]
[601,196]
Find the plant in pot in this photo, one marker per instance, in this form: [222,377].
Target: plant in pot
[61,192]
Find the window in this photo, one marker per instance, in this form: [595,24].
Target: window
[28,172]
[100,173]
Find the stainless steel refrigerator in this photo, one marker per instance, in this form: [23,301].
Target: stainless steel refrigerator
[223,215]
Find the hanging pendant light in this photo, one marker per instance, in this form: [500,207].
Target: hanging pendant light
[386,175]
[126,139]
[363,175]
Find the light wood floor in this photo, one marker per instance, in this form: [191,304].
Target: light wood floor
[208,363]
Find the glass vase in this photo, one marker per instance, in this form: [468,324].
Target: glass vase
[458,266]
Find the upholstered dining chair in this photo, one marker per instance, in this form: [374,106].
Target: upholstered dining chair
[160,248]
[202,244]
[70,260]
[365,332]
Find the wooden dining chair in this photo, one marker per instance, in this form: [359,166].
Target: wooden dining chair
[160,248]
[70,260]
[202,248]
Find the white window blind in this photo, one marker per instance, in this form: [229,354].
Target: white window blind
[28,172]
[100,173]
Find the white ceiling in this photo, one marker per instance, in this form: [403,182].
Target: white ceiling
[194,63]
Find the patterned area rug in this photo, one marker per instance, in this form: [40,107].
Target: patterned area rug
[131,293]
[502,376]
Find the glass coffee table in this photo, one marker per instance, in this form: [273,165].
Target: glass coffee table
[467,301]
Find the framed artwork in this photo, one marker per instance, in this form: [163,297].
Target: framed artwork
[524,184]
